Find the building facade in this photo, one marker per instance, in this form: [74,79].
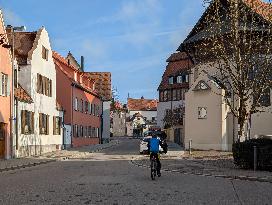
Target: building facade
[172,89]
[102,85]
[209,122]
[5,93]
[82,105]
[38,128]
[141,116]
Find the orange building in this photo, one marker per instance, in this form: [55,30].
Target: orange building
[5,92]
[82,105]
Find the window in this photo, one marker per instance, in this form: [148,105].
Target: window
[86,107]
[178,94]
[174,95]
[161,96]
[76,134]
[4,84]
[202,113]
[76,104]
[187,78]
[81,131]
[44,85]
[165,95]
[44,124]
[56,125]
[153,119]
[90,131]
[171,80]
[82,106]
[27,122]
[179,79]
[94,109]
[44,53]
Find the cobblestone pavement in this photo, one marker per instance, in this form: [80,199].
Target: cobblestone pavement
[208,163]
[73,153]
[109,177]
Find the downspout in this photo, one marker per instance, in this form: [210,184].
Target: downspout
[72,112]
[102,123]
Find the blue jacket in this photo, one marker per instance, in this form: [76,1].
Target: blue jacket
[154,145]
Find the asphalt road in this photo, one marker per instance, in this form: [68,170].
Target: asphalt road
[109,177]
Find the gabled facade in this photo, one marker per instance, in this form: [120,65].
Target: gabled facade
[208,120]
[38,127]
[82,104]
[102,85]
[5,93]
[141,111]
[172,89]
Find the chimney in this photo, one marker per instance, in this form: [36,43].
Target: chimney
[8,28]
[82,63]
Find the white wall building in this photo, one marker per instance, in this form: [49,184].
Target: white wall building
[146,109]
[39,121]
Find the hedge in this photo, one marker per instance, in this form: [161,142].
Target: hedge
[243,154]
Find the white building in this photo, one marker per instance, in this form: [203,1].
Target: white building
[172,89]
[38,126]
[141,108]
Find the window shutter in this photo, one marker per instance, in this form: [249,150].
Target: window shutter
[8,81]
[54,125]
[50,88]
[47,124]
[32,122]
[40,122]
[23,121]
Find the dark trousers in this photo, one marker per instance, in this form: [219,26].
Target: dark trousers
[157,159]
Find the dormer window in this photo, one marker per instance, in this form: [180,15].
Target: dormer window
[179,79]
[171,80]
[44,53]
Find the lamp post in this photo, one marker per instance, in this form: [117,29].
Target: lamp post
[12,30]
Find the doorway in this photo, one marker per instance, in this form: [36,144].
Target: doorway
[2,139]
[177,136]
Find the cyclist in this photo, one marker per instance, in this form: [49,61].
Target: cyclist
[154,149]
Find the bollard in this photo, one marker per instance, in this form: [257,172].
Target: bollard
[190,147]
[255,157]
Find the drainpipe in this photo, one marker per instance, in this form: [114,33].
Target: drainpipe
[72,112]
[101,124]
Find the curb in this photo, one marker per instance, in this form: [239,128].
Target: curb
[242,178]
[22,166]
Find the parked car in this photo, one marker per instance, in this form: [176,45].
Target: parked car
[144,143]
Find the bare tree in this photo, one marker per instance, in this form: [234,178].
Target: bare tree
[235,40]
[174,117]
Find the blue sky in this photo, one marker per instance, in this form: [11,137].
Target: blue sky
[129,38]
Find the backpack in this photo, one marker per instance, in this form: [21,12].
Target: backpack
[154,145]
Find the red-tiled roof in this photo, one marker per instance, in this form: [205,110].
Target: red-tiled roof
[58,57]
[177,63]
[102,84]
[177,57]
[262,8]
[23,44]
[22,95]
[142,104]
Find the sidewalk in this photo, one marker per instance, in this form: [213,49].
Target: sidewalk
[206,163]
[73,153]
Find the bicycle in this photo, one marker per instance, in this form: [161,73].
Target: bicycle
[153,167]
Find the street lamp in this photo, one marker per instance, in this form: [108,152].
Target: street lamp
[13,29]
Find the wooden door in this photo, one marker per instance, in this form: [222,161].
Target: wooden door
[2,140]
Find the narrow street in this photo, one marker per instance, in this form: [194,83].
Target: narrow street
[109,177]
